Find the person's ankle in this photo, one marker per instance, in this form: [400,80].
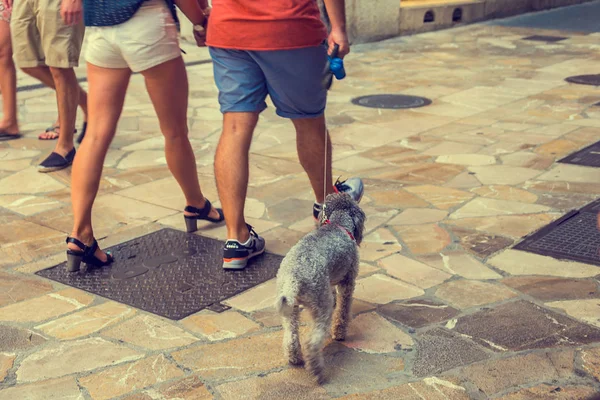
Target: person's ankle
[86,236]
[241,235]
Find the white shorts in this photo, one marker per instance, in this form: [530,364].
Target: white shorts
[148,39]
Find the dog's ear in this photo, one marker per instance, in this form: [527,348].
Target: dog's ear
[358,218]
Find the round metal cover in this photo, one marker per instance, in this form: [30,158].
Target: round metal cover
[393,101]
[593,80]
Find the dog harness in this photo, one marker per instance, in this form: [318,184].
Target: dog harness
[327,222]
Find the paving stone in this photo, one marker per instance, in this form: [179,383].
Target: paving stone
[551,289]
[468,293]
[531,327]
[420,173]
[452,148]
[515,226]
[480,244]
[223,361]
[564,187]
[214,326]
[29,181]
[14,338]
[566,202]
[280,240]
[417,313]
[554,392]
[527,160]
[484,207]
[122,379]
[439,350]
[28,204]
[418,216]
[190,388]
[378,244]
[502,192]
[71,357]
[591,362]
[151,333]
[88,321]
[557,148]
[572,174]
[23,241]
[459,263]
[351,371]
[15,288]
[374,334]
[397,198]
[49,306]
[381,289]
[413,272]
[289,384]
[517,262]
[442,198]
[6,363]
[463,180]
[466,159]
[424,239]
[497,375]
[431,388]
[503,174]
[289,210]
[257,298]
[584,310]
[63,389]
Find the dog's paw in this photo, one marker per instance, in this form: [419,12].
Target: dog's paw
[320,377]
[339,334]
[295,360]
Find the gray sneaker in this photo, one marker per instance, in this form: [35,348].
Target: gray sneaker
[353,187]
[236,254]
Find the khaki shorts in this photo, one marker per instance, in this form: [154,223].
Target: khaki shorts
[41,38]
[148,39]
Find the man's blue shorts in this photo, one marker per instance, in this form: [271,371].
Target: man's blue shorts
[293,79]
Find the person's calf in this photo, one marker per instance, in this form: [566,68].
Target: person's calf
[67,97]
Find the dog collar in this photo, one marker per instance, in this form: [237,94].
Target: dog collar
[327,222]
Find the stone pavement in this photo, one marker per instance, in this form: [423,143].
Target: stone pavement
[444,308]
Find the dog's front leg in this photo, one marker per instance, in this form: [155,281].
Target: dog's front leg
[291,337]
[342,312]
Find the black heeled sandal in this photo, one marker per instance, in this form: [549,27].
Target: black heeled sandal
[86,255]
[191,221]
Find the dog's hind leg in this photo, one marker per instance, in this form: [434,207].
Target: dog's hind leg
[342,316]
[321,314]
[291,337]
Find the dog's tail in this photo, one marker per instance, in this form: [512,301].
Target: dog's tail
[286,300]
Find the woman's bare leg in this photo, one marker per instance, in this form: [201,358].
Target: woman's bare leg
[107,88]
[167,86]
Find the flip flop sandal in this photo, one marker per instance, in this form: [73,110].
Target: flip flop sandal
[54,129]
[5,136]
[56,162]
[191,221]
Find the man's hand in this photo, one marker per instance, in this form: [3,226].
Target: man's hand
[200,37]
[339,37]
[71,11]
[7,4]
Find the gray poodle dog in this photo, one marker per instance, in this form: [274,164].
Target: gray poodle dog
[309,274]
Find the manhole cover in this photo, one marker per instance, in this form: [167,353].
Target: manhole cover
[169,273]
[392,101]
[575,237]
[593,80]
[589,156]
[542,38]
